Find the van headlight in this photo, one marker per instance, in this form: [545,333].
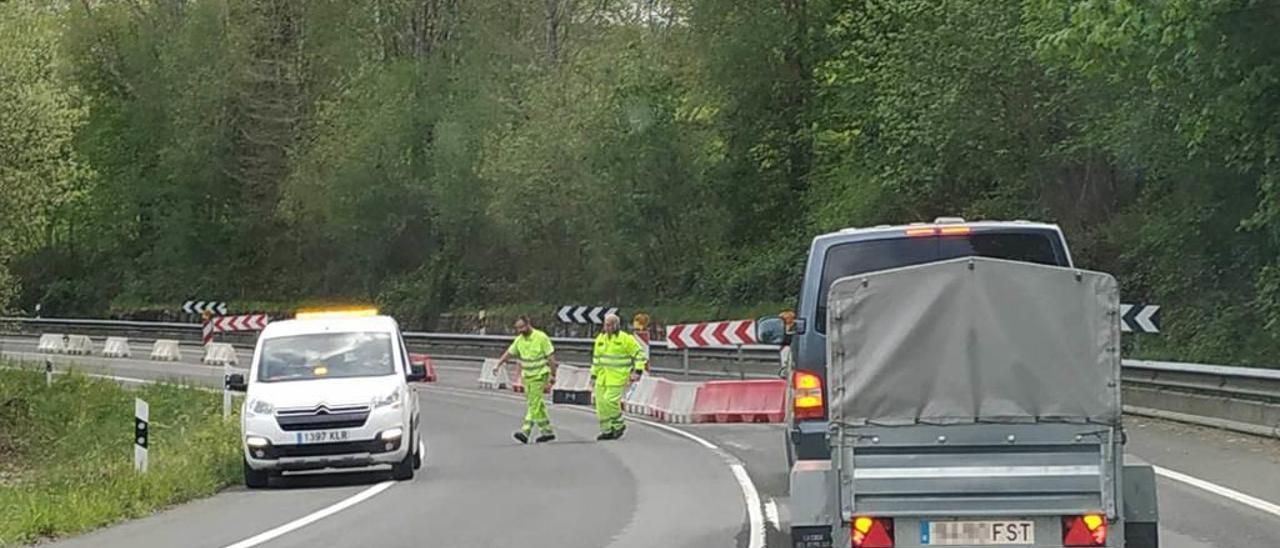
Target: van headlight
[391,400]
[260,407]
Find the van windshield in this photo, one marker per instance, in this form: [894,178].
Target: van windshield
[326,356]
[872,255]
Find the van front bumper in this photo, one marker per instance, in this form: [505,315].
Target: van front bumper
[267,446]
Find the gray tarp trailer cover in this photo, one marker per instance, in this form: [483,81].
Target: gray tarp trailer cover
[975,340]
[975,390]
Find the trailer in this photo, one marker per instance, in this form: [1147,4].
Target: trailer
[974,402]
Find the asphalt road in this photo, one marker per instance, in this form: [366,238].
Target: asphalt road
[653,488]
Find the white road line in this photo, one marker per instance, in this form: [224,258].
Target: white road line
[753,505]
[749,493]
[314,516]
[1247,500]
[771,513]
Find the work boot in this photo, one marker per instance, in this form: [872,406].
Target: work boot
[521,437]
[617,434]
[606,436]
[546,438]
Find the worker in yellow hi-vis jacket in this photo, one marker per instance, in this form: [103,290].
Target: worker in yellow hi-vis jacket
[617,359]
[533,349]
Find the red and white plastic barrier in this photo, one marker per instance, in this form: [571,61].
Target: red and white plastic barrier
[673,401]
[427,364]
[741,401]
[570,377]
[663,399]
[493,379]
[573,385]
[638,398]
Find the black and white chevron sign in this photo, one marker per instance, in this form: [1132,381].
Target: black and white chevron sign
[585,314]
[1139,318]
[200,307]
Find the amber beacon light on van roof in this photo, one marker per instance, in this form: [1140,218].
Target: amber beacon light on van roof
[332,313]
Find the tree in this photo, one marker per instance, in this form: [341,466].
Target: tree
[40,175]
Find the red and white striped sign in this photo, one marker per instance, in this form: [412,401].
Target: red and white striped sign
[223,324]
[712,334]
[248,322]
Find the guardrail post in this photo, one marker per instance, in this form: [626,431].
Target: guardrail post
[686,362]
[742,373]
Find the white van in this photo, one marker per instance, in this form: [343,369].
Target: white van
[330,391]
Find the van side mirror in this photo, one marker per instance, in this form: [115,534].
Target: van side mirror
[770,330]
[417,372]
[235,382]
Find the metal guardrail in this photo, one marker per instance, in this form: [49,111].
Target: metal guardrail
[753,361]
[1243,399]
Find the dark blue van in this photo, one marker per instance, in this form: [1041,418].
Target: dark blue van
[860,250]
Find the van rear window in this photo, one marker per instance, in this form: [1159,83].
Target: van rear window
[872,255]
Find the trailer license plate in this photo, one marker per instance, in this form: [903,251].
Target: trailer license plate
[323,436]
[981,533]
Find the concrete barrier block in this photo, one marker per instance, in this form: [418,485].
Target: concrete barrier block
[79,345]
[219,354]
[116,347]
[166,350]
[51,343]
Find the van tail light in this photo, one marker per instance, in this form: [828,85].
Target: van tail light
[871,532]
[927,231]
[808,402]
[1087,530]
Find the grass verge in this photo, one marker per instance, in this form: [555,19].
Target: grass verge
[67,453]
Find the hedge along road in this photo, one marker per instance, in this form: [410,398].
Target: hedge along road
[470,460]
[478,488]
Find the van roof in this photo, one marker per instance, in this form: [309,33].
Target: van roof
[289,328]
[977,225]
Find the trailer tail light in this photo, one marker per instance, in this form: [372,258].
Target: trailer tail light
[808,402]
[871,532]
[1087,530]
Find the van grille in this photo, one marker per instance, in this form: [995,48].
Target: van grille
[322,418]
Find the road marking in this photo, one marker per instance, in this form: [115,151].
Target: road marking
[749,493]
[314,516]
[752,498]
[1247,500]
[771,513]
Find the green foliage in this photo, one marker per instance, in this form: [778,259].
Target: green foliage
[436,155]
[39,115]
[68,459]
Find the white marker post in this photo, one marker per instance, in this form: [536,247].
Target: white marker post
[141,433]
[226,391]
[48,372]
